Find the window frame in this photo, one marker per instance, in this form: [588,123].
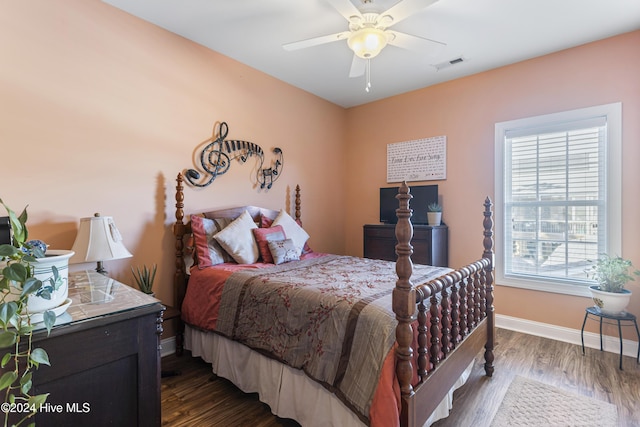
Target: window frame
[613,152]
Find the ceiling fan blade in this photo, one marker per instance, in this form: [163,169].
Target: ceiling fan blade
[406,8]
[345,8]
[415,43]
[357,66]
[316,41]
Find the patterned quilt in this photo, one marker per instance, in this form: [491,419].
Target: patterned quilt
[329,316]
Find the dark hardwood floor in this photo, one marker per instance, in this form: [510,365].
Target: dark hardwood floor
[197,397]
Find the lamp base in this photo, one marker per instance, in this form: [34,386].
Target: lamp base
[100,269]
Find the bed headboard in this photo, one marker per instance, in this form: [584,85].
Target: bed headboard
[255,212]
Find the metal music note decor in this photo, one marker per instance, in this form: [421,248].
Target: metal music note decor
[216,157]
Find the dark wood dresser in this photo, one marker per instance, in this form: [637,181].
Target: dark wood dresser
[430,243]
[105,358]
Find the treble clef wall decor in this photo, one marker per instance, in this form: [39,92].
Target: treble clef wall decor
[216,157]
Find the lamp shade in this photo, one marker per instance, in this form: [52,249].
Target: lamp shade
[98,240]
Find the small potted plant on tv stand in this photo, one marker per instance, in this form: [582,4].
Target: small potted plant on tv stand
[434,214]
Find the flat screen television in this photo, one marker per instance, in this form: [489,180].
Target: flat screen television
[422,196]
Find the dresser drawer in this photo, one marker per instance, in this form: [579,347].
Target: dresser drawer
[430,244]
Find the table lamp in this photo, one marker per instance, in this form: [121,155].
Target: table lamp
[98,240]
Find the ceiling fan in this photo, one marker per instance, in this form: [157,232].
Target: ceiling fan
[369,32]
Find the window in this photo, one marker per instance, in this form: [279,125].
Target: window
[558,183]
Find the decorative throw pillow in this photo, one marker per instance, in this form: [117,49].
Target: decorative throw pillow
[237,239]
[292,229]
[208,250]
[263,236]
[284,251]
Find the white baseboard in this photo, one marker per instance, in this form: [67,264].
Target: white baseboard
[167,346]
[572,336]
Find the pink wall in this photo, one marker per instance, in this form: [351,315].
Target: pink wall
[99,111]
[466,110]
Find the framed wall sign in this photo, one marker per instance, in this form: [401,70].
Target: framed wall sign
[419,160]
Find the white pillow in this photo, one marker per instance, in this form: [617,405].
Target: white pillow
[292,230]
[237,239]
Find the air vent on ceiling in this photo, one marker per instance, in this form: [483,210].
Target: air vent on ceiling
[449,63]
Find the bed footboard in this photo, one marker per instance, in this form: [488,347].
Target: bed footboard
[453,315]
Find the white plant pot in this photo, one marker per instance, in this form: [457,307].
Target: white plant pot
[42,271]
[434,218]
[610,302]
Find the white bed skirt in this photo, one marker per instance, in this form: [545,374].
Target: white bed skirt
[288,391]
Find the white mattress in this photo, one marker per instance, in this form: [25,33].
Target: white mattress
[288,391]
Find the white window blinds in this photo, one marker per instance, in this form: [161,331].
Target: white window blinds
[555,199]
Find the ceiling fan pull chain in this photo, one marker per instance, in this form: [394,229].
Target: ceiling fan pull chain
[368,75]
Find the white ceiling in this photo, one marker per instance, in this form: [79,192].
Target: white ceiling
[486,33]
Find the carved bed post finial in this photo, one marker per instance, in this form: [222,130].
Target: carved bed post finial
[489,255]
[297,202]
[179,198]
[404,295]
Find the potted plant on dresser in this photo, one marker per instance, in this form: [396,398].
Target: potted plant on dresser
[612,274]
[33,289]
[434,214]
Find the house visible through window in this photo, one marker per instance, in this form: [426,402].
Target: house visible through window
[557,197]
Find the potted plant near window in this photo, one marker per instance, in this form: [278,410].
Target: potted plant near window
[31,288]
[612,274]
[434,214]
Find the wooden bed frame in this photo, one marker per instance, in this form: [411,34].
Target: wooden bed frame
[460,324]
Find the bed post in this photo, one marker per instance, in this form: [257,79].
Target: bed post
[404,296]
[490,311]
[297,203]
[180,277]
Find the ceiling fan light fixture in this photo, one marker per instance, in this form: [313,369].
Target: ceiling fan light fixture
[367,42]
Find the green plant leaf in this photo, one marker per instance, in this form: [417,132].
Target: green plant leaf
[4,284]
[16,272]
[30,286]
[28,258]
[5,359]
[7,251]
[39,355]
[22,219]
[16,321]
[7,338]
[38,400]
[25,383]
[7,379]
[18,224]
[49,320]
[7,311]
[144,278]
